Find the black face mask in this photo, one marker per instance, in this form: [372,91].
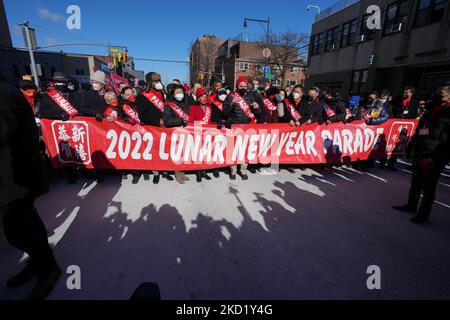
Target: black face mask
[309,98]
[242,91]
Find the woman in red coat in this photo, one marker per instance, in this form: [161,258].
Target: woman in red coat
[201,112]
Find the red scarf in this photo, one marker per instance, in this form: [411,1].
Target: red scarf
[154,99]
[62,102]
[405,102]
[294,113]
[348,114]
[243,105]
[218,104]
[111,112]
[134,117]
[330,113]
[180,112]
[207,117]
[269,105]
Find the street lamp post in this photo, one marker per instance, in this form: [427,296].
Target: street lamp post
[30,50]
[309,6]
[263,21]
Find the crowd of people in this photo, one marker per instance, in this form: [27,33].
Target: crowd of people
[178,105]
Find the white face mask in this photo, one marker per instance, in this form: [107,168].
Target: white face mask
[158,86]
[282,96]
[228,91]
[383,101]
[179,96]
[296,95]
[222,97]
[96,86]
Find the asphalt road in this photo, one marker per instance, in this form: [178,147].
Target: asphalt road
[308,235]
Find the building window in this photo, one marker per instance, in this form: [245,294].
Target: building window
[28,69]
[396,17]
[348,33]
[80,72]
[359,80]
[52,71]
[276,82]
[429,11]
[294,70]
[317,42]
[243,66]
[330,44]
[16,71]
[366,34]
[291,82]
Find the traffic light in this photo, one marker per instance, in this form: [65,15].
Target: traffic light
[125,57]
[120,57]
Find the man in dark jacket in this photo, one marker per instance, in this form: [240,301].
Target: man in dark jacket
[91,103]
[430,149]
[150,103]
[406,108]
[333,107]
[23,227]
[233,110]
[314,108]
[49,107]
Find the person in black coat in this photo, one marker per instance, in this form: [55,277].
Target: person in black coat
[48,108]
[149,113]
[177,96]
[314,108]
[235,115]
[334,107]
[430,150]
[91,103]
[23,227]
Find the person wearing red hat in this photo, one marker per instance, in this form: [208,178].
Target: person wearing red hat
[243,106]
[201,112]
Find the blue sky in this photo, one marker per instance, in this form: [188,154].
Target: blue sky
[154,29]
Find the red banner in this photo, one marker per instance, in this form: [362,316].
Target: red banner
[87,143]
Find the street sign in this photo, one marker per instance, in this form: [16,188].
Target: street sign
[267,53]
[266,69]
[269,76]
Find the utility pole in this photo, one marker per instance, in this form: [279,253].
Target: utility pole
[31,52]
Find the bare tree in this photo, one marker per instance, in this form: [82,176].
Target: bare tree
[285,48]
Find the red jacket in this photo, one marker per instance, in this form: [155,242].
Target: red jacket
[196,113]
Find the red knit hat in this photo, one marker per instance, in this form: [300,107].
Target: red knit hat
[200,92]
[187,87]
[241,79]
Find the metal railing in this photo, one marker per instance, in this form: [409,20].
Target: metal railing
[341,5]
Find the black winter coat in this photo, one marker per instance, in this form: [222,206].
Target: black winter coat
[411,111]
[171,119]
[338,107]
[235,115]
[89,103]
[301,108]
[148,113]
[435,144]
[313,111]
[19,132]
[48,109]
